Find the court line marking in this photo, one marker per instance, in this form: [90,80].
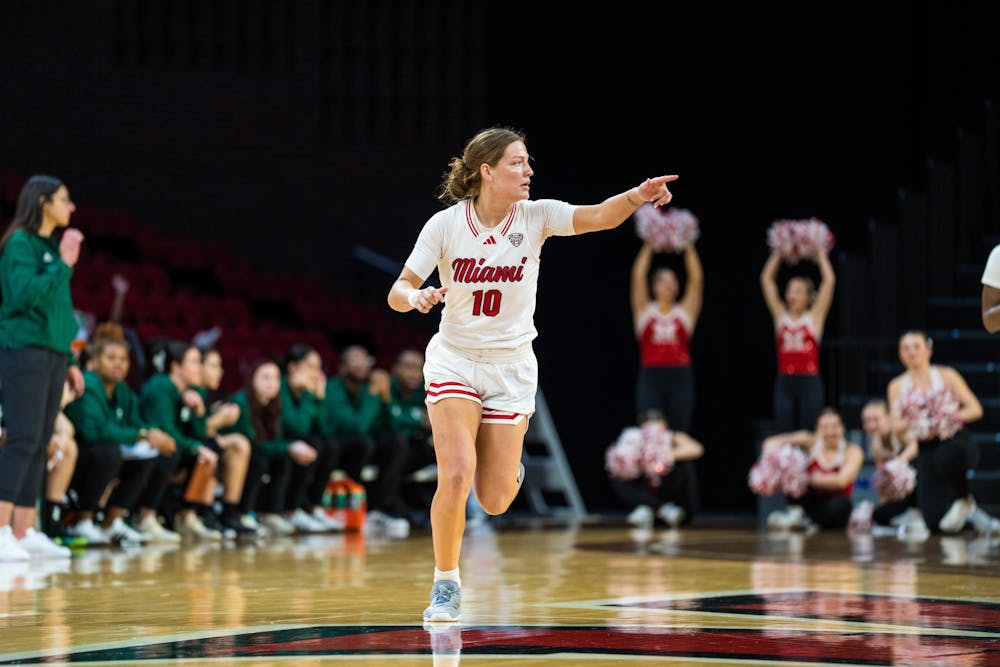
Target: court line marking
[589,656]
[561,658]
[625,601]
[150,641]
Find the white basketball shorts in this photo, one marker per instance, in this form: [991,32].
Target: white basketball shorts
[504,382]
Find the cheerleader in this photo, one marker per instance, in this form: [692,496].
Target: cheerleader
[798,327]
[886,445]
[934,403]
[663,327]
[675,495]
[833,468]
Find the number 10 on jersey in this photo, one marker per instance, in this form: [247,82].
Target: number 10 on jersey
[486,302]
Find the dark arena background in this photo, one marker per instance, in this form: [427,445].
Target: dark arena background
[264,166]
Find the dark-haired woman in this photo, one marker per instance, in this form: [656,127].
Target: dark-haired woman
[234,448]
[798,329]
[106,418]
[272,454]
[303,390]
[167,402]
[834,464]
[37,325]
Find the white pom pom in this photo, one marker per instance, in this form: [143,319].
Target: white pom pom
[666,230]
[641,451]
[894,480]
[783,469]
[796,240]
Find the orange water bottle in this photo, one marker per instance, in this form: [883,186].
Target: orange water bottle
[338,497]
[357,505]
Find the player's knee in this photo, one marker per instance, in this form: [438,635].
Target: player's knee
[494,501]
[456,478]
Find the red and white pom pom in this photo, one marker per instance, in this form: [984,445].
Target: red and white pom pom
[894,480]
[641,451]
[933,414]
[783,469]
[657,451]
[794,471]
[861,517]
[945,413]
[796,240]
[666,230]
[623,459]
[763,479]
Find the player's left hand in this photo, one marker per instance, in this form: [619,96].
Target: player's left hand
[655,190]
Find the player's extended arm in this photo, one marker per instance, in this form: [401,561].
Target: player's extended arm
[991,308]
[616,209]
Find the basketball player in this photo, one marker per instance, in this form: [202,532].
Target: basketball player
[991,291]
[798,329]
[480,371]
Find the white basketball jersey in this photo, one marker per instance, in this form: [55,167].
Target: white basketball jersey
[491,274]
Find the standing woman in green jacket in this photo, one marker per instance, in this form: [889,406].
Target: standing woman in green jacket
[37,325]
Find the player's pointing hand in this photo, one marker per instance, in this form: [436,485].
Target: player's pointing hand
[426,298]
[655,190]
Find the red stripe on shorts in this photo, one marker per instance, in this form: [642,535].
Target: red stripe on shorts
[452,392]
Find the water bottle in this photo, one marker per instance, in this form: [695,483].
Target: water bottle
[357,505]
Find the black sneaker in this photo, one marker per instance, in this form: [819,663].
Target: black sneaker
[236,524]
[212,522]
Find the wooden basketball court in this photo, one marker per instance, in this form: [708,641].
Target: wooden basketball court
[593,594]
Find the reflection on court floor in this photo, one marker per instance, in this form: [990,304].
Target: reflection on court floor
[594,595]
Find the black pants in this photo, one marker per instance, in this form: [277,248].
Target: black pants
[679,486]
[100,463]
[417,496]
[266,487]
[669,389]
[356,451]
[942,468]
[824,510]
[886,512]
[392,456]
[33,380]
[160,477]
[798,400]
[307,483]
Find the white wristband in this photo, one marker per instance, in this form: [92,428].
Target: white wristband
[412,297]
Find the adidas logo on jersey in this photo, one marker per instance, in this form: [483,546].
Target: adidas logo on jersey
[490,241]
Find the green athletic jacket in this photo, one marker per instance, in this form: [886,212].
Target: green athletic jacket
[300,417]
[100,421]
[405,415]
[276,447]
[37,308]
[346,414]
[161,406]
